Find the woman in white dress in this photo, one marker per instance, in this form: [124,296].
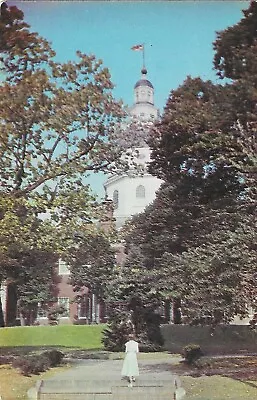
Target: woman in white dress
[130,365]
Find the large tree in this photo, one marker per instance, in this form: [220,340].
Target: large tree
[200,230]
[58,122]
[27,254]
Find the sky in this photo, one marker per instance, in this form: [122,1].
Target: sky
[178,37]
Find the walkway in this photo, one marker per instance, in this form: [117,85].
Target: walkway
[100,380]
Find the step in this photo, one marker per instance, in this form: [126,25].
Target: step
[104,390]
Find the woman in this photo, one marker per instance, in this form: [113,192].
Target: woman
[130,365]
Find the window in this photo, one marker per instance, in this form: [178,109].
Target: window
[65,302]
[63,268]
[140,192]
[115,198]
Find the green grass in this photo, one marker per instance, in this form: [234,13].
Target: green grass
[217,388]
[79,336]
[14,386]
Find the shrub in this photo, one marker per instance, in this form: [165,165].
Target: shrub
[148,347]
[29,365]
[54,313]
[116,334]
[191,353]
[54,357]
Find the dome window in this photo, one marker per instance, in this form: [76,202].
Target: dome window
[115,198]
[140,192]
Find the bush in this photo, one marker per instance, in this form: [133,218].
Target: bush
[116,334]
[54,357]
[33,365]
[147,347]
[192,353]
[30,365]
[54,313]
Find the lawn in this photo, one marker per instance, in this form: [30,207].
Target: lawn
[79,336]
[217,388]
[217,378]
[14,386]
[34,339]
[220,378]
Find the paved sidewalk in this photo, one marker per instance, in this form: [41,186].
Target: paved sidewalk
[101,379]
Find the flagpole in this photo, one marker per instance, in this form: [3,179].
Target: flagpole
[140,47]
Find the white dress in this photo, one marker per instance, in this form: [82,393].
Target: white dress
[130,365]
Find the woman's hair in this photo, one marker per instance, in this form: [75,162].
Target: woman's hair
[131,336]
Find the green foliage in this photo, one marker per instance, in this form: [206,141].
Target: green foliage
[27,255]
[192,353]
[117,332]
[54,313]
[59,122]
[140,298]
[198,238]
[92,264]
[20,49]
[235,54]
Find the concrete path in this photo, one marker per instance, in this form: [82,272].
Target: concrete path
[101,380]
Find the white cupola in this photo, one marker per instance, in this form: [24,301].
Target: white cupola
[143,107]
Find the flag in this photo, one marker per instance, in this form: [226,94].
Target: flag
[138,47]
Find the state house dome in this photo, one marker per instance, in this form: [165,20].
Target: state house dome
[143,81]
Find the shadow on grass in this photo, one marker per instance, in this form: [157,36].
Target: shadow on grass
[31,350]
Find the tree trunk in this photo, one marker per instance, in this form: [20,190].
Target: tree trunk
[1,315]
[11,305]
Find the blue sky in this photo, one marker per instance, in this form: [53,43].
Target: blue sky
[178,38]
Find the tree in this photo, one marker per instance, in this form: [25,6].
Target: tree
[215,281]
[27,255]
[196,141]
[34,281]
[235,59]
[235,47]
[20,49]
[53,132]
[197,238]
[58,122]
[206,198]
[91,263]
[140,297]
